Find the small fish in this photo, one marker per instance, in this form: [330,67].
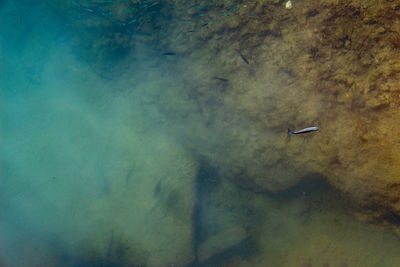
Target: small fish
[221,79]
[157,189]
[243,57]
[305,130]
[169,54]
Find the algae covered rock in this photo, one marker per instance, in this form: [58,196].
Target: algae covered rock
[333,64]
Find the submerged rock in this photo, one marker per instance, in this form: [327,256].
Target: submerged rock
[220,242]
[322,63]
[224,215]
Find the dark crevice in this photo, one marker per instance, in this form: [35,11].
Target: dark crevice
[206,179]
[308,184]
[392,217]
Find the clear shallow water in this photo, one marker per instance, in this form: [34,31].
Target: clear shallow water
[96,171]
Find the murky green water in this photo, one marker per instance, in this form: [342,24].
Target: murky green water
[120,150]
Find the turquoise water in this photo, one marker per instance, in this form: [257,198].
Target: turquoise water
[115,151]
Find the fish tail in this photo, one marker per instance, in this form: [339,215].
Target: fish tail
[289,131]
